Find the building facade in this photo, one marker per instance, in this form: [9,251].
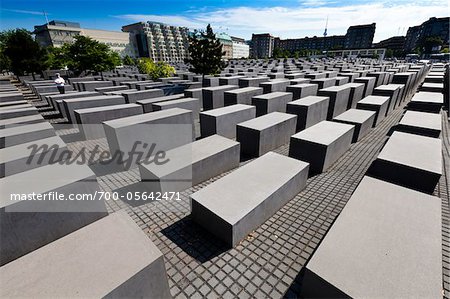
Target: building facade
[240,48]
[395,43]
[360,36]
[57,33]
[262,45]
[227,44]
[158,41]
[438,27]
[311,43]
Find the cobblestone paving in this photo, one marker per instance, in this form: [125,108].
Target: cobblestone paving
[269,261]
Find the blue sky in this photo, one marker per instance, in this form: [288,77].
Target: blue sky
[284,18]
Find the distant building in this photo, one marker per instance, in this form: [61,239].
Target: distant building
[57,33]
[395,43]
[359,36]
[227,44]
[311,43]
[354,53]
[262,45]
[412,38]
[158,41]
[438,27]
[240,48]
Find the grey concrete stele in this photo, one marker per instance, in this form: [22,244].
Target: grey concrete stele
[13,135]
[70,105]
[426,102]
[133,97]
[379,104]
[276,177]
[223,121]
[420,123]
[271,102]
[369,84]
[213,97]
[140,132]
[361,119]
[302,90]
[30,224]
[147,104]
[339,99]
[110,258]
[265,133]
[191,164]
[90,119]
[309,110]
[321,145]
[185,103]
[356,94]
[376,246]
[410,160]
[241,95]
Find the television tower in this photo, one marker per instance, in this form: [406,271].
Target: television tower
[326,28]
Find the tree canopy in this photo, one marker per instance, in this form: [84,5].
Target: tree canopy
[155,70]
[205,53]
[20,53]
[88,54]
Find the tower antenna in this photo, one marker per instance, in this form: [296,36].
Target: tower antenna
[326,29]
[45,14]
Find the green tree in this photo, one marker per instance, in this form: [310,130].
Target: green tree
[127,60]
[155,70]
[389,53]
[88,54]
[205,53]
[58,58]
[20,52]
[428,43]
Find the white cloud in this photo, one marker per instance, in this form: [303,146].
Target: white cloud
[29,12]
[392,18]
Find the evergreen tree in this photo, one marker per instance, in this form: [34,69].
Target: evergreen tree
[205,53]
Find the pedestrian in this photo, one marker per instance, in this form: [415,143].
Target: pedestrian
[59,81]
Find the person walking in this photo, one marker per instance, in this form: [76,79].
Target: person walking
[59,81]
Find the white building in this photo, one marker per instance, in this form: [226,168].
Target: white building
[57,33]
[240,48]
[158,41]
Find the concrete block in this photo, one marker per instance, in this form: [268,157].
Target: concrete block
[252,82]
[18,158]
[53,98]
[30,224]
[276,177]
[191,164]
[420,123]
[271,102]
[223,121]
[324,82]
[361,119]
[147,104]
[89,116]
[369,84]
[374,248]
[70,105]
[339,97]
[13,112]
[185,103]
[111,244]
[92,85]
[300,81]
[391,91]
[341,81]
[213,97]
[309,110]
[410,160]
[265,133]
[426,102]
[133,97]
[378,104]
[302,90]
[274,85]
[241,95]
[356,94]
[134,132]
[233,80]
[25,133]
[30,119]
[321,145]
